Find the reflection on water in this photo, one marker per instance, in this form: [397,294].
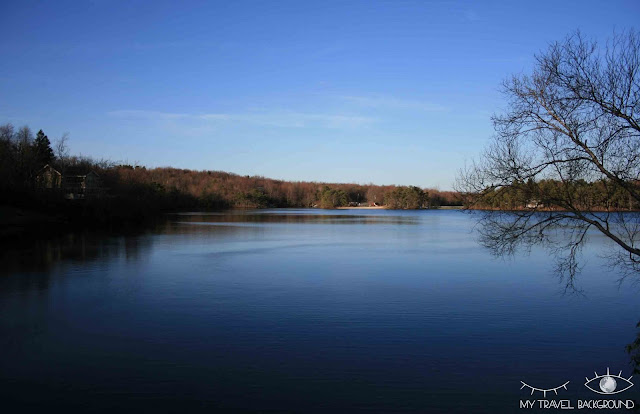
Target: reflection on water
[296,217]
[299,310]
[41,255]
[564,234]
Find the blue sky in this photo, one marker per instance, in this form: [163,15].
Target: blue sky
[388,92]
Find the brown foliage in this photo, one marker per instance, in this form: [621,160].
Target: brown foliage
[218,189]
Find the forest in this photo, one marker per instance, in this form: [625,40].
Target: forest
[128,190]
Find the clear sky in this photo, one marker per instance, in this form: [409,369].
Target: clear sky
[388,92]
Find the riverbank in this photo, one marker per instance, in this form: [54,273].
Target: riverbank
[360,208]
[385,208]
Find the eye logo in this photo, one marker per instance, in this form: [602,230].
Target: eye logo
[544,391]
[608,383]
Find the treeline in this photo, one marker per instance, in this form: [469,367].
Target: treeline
[133,190]
[549,194]
[217,189]
[21,156]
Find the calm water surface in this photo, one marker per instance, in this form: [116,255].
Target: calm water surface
[302,311]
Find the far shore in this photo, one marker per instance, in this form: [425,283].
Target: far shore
[384,208]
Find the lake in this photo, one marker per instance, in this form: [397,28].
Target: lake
[304,311]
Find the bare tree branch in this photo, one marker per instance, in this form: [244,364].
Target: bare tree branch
[566,153]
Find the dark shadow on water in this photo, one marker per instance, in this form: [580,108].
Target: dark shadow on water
[40,254]
[30,262]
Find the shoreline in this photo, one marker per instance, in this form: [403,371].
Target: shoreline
[358,208]
[398,209]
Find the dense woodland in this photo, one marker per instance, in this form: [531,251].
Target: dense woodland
[137,190]
[217,189]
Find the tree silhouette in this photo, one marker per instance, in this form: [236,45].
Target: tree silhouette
[571,125]
[42,149]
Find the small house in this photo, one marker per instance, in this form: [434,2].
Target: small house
[534,204]
[81,186]
[48,178]
[75,183]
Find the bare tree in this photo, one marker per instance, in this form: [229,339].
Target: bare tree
[24,137]
[572,126]
[6,133]
[61,150]
[7,158]
[25,155]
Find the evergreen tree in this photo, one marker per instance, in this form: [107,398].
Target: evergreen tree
[332,198]
[42,148]
[406,198]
